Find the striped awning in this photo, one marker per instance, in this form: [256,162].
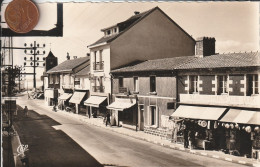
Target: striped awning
[198,112]
[242,117]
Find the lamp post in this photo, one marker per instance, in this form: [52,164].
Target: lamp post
[34,60]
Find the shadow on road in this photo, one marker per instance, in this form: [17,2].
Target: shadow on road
[49,147]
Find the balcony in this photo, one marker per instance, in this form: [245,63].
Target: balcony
[98,89]
[224,100]
[98,66]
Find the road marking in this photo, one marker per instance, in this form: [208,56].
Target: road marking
[215,156]
[228,159]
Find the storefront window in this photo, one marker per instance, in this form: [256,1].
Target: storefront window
[252,81]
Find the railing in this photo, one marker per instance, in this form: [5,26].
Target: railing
[98,65]
[239,101]
[98,88]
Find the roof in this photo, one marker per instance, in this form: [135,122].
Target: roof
[127,24]
[156,65]
[50,54]
[84,71]
[251,59]
[68,65]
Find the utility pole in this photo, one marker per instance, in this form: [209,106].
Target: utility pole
[34,60]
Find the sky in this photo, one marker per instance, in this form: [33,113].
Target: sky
[235,25]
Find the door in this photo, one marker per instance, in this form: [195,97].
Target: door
[141,117]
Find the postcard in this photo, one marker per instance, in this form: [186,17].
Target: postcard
[117,83]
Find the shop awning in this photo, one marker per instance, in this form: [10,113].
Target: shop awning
[122,104]
[242,116]
[198,112]
[95,101]
[65,96]
[77,97]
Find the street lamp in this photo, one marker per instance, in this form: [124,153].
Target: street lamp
[34,51]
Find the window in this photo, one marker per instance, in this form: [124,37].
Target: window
[100,55]
[153,115]
[152,84]
[121,82]
[51,79]
[108,32]
[115,30]
[57,80]
[222,84]
[136,84]
[193,84]
[252,82]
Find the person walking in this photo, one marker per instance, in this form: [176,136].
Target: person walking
[25,111]
[186,137]
[108,118]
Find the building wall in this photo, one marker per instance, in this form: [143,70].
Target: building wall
[181,84]
[104,73]
[206,84]
[153,37]
[235,85]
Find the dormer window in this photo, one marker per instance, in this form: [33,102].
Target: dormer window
[108,32]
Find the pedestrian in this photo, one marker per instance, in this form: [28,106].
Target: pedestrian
[191,138]
[29,97]
[25,111]
[108,118]
[185,137]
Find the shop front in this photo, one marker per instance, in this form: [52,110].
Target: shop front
[63,100]
[242,132]
[197,125]
[51,96]
[76,100]
[97,105]
[124,112]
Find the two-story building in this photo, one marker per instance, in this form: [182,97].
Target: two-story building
[218,98]
[149,89]
[143,36]
[62,81]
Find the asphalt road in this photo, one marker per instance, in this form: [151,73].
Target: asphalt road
[49,147]
[107,147]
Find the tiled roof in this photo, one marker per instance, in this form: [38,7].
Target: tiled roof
[156,65]
[123,26]
[250,59]
[68,65]
[84,71]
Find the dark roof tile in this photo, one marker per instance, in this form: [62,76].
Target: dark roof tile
[250,59]
[68,65]
[157,64]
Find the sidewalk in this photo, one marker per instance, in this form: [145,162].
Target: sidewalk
[155,139]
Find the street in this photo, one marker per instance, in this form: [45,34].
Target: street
[57,140]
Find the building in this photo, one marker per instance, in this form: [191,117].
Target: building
[149,89]
[50,62]
[143,36]
[61,84]
[218,98]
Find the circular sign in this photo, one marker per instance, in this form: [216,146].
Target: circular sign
[21,16]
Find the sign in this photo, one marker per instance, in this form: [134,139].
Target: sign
[170,105]
[122,89]
[10,105]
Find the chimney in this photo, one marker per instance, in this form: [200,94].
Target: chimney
[205,46]
[68,56]
[136,12]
